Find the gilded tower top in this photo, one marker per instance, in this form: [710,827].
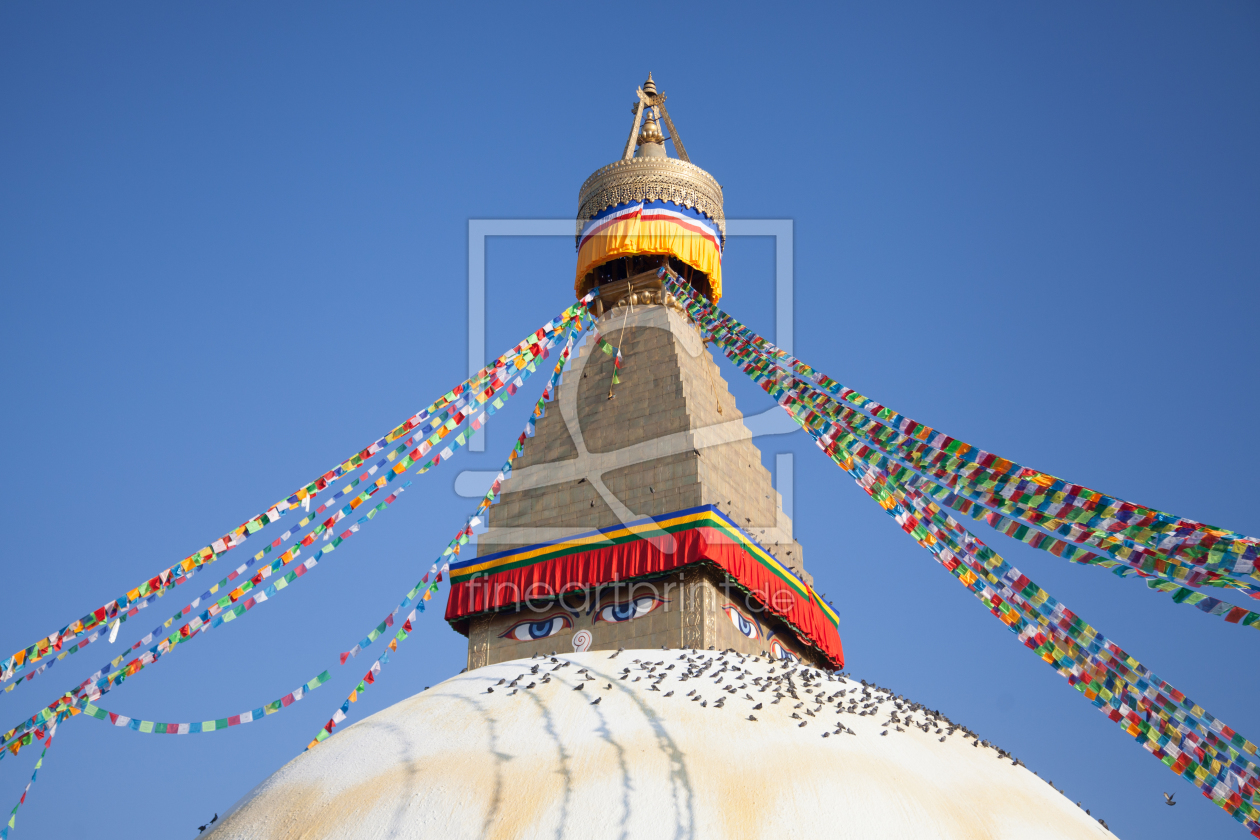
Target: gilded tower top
[648,204]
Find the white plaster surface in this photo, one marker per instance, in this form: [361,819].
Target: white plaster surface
[458,762]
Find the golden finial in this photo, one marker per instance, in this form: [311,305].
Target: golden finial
[649,87]
[651,131]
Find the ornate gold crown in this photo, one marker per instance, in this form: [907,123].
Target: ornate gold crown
[649,175]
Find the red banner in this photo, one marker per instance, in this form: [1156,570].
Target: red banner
[701,535]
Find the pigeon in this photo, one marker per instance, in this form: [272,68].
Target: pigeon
[580,687]
[750,717]
[885,732]
[942,739]
[669,694]
[802,723]
[489,691]
[531,685]
[1169,797]
[501,682]
[757,708]
[596,702]
[704,703]
[202,828]
[607,686]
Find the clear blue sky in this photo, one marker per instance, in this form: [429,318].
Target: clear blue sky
[233,250]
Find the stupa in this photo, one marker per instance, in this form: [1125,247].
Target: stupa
[647,656]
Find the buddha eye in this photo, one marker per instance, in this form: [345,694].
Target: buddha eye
[742,624]
[526,631]
[629,610]
[778,651]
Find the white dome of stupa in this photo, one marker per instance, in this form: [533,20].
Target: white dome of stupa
[480,757]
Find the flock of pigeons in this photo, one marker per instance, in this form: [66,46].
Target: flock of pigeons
[779,684]
[731,667]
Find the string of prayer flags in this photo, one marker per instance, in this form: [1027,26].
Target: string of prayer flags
[866,438]
[1166,723]
[459,402]
[1186,738]
[1205,603]
[385,625]
[441,567]
[178,573]
[454,406]
[224,610]
[156,728]
[38,724]
[75,648]
[465,534]
[1206,545]
[369,678]
[214,608]
[609,350]
[466,435]
[4,831]
[1022,532]
[919,517]
[233,596]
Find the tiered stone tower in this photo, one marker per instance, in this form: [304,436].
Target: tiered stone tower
[639,516]
[666,438]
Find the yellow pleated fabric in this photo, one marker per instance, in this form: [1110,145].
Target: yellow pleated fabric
[631,236]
